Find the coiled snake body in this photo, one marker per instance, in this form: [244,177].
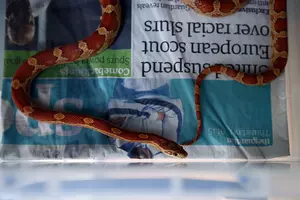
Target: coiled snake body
[105,35]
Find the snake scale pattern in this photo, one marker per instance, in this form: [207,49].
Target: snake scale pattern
[105,35]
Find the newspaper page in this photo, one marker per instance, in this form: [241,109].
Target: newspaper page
[145,82]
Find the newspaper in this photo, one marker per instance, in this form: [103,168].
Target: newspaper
[145,82]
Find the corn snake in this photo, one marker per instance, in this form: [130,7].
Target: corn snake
[105,35]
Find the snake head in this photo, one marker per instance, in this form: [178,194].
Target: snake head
[175,150]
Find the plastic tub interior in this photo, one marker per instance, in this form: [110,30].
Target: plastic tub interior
[271,179]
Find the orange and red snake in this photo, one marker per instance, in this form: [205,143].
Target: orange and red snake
[105,35]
